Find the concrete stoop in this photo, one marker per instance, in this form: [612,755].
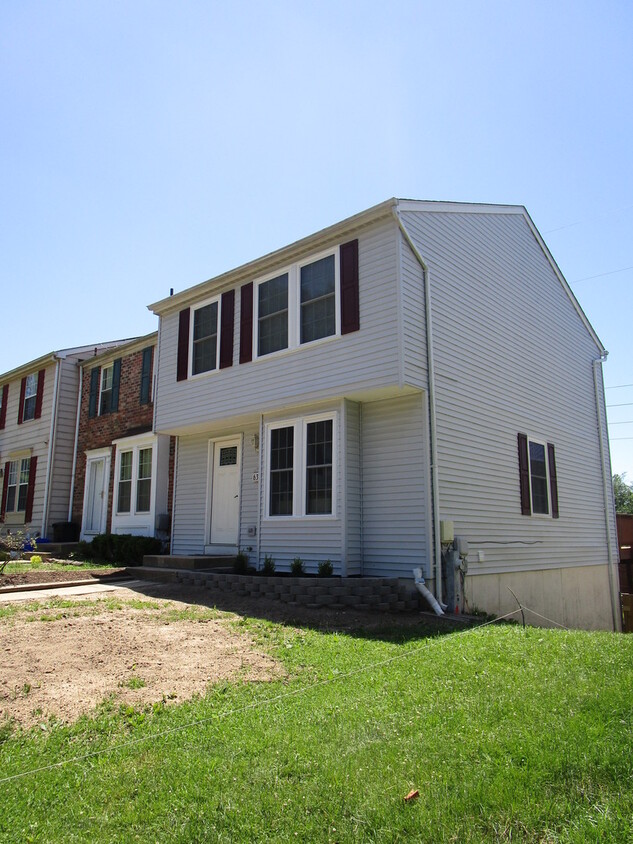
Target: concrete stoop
[381,594]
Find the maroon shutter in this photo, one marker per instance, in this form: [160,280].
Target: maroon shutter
[553,480]
[21,405]
[227,320]
[182,366]
[246,323]
[3,411]
[40,393]
[28,512]
[524,475]
[5,489]
[350,308]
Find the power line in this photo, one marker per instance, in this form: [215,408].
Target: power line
[613,439]
[626,422]
[618,386]
[587,219]
[625,404]
[600,275]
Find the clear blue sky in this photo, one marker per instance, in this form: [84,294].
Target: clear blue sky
[149,145]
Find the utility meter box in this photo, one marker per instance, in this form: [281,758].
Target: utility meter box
[447,532]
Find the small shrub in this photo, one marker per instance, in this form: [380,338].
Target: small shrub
[269,565]
[240,563]
[296,567]
[36,558]
[123,548]
[326,569]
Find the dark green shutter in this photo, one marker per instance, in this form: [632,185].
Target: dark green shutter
[94,391]
[116,380]
[145,375]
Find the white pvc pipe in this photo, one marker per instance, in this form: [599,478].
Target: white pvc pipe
[426,593]
[51,443]
[72,476]
[435,489]
[607,490]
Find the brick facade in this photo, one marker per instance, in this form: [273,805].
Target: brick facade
[99,431]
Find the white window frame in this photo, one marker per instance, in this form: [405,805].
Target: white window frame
[294,305]
[547,515]
[104,369]
[124,447]
[16,467]
[32,380]
[200,305]
[300,425]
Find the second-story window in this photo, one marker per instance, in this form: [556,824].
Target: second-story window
[318,299]
[272,315]
[204,356]
[30,397]
[298,306]
[107,380]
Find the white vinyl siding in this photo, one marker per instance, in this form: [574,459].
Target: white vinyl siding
[351,498]
[394,483]
[64,438]
[511,354]
[313,538]
[367,359]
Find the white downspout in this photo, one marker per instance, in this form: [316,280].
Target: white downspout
[435,492]
[51,440]
[72,477]
[608,496]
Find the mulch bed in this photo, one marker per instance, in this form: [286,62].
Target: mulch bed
[27,578]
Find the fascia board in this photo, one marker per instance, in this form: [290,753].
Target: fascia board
[288,254]
[121,350]
[483,208]
[566,287]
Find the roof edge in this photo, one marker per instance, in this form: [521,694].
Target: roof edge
[259,265]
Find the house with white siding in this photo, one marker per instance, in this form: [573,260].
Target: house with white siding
[38,423]
[419,363]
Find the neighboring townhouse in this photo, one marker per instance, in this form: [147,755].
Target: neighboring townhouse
[122,473]
[38,412]
[419,362]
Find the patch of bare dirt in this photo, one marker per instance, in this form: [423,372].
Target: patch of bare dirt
[26,578]
[66,666]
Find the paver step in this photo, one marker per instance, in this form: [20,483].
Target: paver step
[202,563]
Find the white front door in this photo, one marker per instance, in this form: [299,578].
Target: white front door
[95,509]
[225,492]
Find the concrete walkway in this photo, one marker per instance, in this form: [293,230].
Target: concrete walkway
[127,588]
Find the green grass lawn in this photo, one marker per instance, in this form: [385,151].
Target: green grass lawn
[20,566]
[509,736]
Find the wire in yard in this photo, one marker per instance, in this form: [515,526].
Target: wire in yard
[275,699]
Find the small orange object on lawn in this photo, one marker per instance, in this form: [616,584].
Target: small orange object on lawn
[412,795]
